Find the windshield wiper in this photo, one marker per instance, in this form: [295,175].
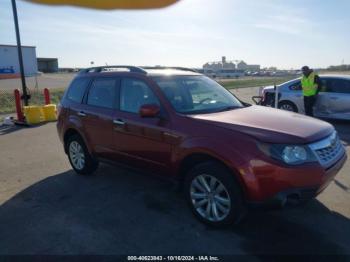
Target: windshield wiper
[227,108]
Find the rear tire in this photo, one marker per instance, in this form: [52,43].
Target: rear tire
[288,106]
[213,194]
[79,157]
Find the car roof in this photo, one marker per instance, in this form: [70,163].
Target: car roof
[169,72]
[336,76]
[321,75]
[146,71]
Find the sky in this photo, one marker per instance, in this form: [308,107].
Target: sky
[286,34]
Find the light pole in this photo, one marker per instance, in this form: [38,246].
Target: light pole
[20,57]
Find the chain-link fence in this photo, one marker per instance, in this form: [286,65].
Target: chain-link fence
[7,101]
[7,98]
[56,83]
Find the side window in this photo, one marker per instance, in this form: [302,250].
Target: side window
[135,93]
[324,82]
[338,86]
[77,89]
[102,93]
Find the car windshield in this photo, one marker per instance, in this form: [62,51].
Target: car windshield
[196,94]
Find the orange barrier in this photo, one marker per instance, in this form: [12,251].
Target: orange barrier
[20,116]
[47,96]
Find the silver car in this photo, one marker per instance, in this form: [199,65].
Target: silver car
[333,100]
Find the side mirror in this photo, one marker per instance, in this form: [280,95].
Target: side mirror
[149,110]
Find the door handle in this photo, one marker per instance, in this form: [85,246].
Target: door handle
[118,122]
[81,113]
[334,98]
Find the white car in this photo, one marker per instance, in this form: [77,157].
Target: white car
[333,100]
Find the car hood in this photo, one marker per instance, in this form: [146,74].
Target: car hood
[270,125]
[271,88]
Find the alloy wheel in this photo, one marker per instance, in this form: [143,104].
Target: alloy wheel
[287,107]
[76,154]
[210,198]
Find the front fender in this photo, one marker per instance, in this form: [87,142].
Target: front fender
[214,148]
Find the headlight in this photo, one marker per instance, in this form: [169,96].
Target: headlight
[292,154]
[289,154]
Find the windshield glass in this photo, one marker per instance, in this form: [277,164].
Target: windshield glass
[196,94]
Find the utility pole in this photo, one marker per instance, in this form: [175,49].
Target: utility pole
[20,57]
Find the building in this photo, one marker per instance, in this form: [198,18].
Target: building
[9,64]
[241,65]
[47,65]
[255,68]
[223,64]
[236,66]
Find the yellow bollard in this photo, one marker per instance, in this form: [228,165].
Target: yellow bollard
[33,114]
[49,112]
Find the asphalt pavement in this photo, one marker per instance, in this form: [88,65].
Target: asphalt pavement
[45,208]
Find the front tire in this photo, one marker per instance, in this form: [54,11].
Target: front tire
[288,106]
[213,195]
[79,157]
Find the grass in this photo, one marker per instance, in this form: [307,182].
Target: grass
[7,101]
[253,82]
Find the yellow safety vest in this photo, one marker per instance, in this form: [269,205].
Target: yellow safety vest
[308,84]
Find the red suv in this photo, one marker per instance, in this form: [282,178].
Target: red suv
[182,125]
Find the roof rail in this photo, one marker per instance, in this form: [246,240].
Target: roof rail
[99,69]
[170,67]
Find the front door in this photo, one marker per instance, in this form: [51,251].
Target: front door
[141,142]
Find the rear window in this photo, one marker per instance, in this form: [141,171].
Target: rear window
[77,89]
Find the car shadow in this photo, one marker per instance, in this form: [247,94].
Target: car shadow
[5,129]
[117,211]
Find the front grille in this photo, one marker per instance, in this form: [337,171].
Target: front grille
[329,153]
[328,150]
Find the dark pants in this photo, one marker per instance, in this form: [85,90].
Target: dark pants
[309,102]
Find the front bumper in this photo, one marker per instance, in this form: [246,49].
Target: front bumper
[272,185]
[290,197]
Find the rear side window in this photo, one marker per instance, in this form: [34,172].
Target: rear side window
[77,89]
[102,93]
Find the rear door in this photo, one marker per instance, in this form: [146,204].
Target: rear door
[141,142]
[98,113]
[335,101]
[339,98]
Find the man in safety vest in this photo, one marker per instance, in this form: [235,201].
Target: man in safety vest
[311,85]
